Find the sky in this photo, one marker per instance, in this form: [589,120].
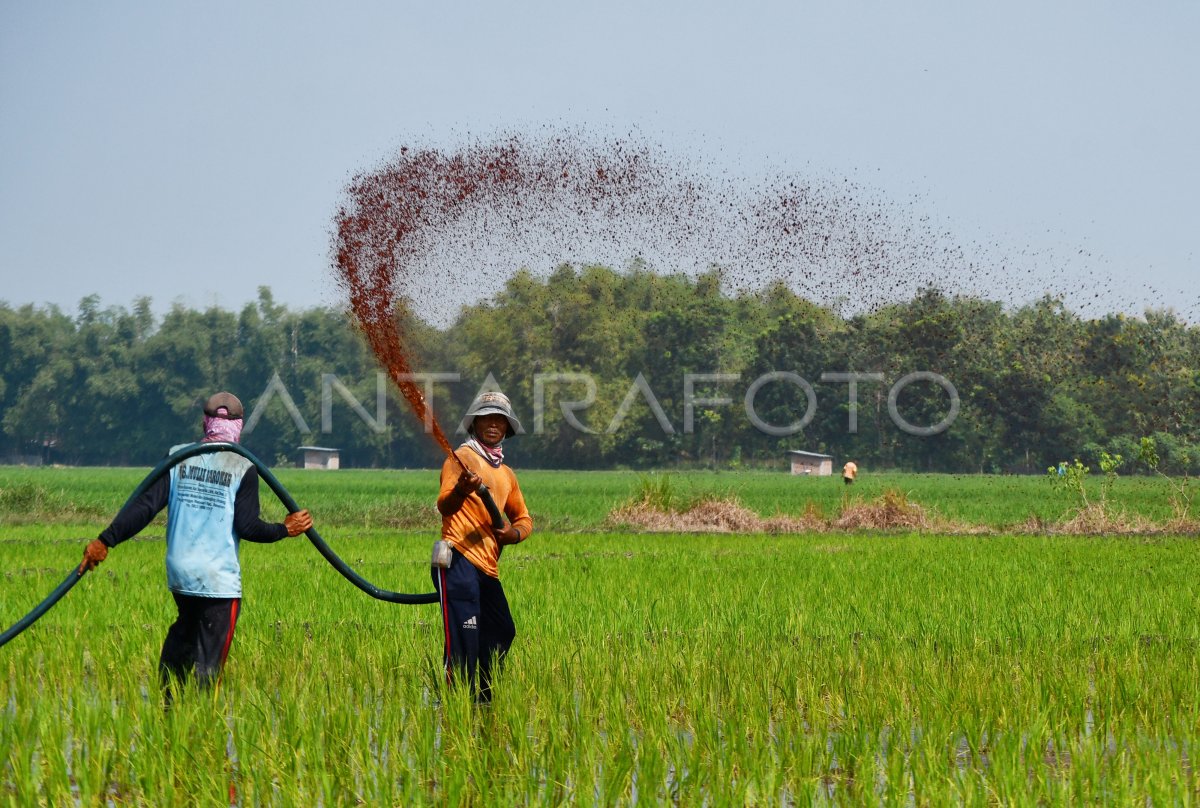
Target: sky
[192,153]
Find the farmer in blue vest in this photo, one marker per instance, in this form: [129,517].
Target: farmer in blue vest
[212,503]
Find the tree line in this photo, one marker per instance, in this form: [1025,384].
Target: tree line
[618,369]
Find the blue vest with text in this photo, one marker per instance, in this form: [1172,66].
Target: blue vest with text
[202,546]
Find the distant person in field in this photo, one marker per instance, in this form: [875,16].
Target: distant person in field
[477,624]
[849,472]
[212,502]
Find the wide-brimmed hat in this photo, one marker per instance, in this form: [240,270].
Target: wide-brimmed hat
[233,407]
[492,403]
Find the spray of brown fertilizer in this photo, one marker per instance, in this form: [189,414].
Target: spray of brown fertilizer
[397,213]
[430,222]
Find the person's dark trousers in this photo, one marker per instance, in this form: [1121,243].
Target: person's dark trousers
[198,641]
[477,626]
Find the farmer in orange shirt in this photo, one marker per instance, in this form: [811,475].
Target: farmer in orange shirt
[849,472]
[476,620]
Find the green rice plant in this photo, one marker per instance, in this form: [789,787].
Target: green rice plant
[861,667]
[657,491]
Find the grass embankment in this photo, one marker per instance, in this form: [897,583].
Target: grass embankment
[579,501]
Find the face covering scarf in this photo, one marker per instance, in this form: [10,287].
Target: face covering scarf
[225,430]
[494,455]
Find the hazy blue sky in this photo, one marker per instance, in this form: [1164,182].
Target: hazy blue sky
[192,152]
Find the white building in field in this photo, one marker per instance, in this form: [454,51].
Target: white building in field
[820,465]
[320,457]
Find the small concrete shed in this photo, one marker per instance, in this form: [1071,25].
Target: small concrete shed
[320,457]
[820,465]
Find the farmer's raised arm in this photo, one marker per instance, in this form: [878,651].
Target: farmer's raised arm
[456,485]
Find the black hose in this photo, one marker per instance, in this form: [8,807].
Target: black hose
[284,497]
[490,504]
[315,537]
[25,622]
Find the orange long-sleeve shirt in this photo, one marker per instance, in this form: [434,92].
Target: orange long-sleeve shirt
[469,529]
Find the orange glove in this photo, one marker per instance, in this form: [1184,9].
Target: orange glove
[95,552]
[298,522]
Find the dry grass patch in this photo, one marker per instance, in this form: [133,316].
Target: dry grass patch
[661,511]
[1033,524]
[1100,519]
[893,510]
[889,511]
[1097,519]
[707,516]
[1183,526]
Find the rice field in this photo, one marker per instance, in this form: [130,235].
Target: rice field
[691,669]
[575,501]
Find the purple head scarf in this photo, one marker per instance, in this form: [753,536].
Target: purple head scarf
[225,430]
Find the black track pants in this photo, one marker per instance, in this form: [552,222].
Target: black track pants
[199,639]
[476,623]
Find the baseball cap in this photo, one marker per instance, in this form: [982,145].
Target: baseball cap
[233,407]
